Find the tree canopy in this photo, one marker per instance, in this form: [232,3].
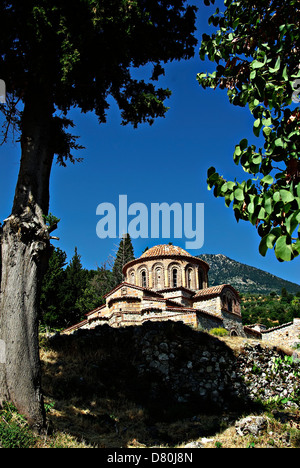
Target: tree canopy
[257,55]
[78,53]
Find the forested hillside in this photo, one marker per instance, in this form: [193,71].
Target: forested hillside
[270,310]
[245,278]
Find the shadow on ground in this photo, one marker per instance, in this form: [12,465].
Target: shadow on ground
[158,384]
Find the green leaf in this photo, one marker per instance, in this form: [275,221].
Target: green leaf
[244,144]
[285,73]
[279,143]
[257,64]
[286,196]
[296,247]
[283,249]
[239,194]
[267,122]
[277,65]
[267,180]
[292,222]
[267,131]
[268,241]
[224,187]
[262,213]
[263,248]
[257,127]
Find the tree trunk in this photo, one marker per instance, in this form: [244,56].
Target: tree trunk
[25,253]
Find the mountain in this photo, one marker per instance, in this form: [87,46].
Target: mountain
[244,278]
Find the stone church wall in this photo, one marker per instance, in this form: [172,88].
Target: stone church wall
[233,323]
[213,306]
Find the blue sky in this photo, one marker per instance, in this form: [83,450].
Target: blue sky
[167,162]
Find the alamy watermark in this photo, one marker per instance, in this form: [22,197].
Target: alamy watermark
[2,352]
[184,221]
[296,93]
[2,92]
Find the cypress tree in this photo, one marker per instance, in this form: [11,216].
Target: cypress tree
[124,255]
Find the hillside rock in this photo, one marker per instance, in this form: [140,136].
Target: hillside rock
[251,425]
[244,278]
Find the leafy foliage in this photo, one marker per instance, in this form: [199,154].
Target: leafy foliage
[270,310]
[257,56]
[14,432]
[78,53]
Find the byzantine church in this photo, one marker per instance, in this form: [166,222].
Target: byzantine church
[168,283]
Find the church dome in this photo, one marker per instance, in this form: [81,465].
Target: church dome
[167,266]
[165,251]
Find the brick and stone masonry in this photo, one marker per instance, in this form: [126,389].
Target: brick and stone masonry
[168,283]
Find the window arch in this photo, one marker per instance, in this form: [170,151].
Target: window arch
[200,275]
[190,278]
[175,277]
[131,277]
[144,278]
[159,277]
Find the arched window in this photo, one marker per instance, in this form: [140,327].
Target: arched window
[229,302]
[175,277]
[190,278]
[159,278]
[132,278]
[200,274]
[144,279]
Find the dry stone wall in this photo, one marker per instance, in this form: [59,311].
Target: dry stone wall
[288,334]
[170,364]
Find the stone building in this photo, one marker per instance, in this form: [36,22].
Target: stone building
[168,283]
[287,334]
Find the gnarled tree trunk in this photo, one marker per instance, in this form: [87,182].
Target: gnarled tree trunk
[25,252]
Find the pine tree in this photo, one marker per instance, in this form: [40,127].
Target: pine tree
[124,255]
[52,290]
[75,283]
[99,284]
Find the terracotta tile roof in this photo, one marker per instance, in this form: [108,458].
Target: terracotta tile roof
[129,285]
[165,250]
[212,291]
[76,326]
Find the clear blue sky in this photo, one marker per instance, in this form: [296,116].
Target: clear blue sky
[167,162]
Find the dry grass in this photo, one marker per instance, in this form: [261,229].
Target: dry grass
[236,343]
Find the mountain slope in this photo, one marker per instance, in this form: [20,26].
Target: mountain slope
[244,278]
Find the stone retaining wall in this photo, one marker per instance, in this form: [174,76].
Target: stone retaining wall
[173,363]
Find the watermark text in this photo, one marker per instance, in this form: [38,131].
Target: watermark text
[2,92]
[183,221]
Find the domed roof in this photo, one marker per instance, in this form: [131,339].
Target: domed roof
[165,250]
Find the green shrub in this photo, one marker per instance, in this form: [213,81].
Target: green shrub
[219,332]
[14,436]
[14,433]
